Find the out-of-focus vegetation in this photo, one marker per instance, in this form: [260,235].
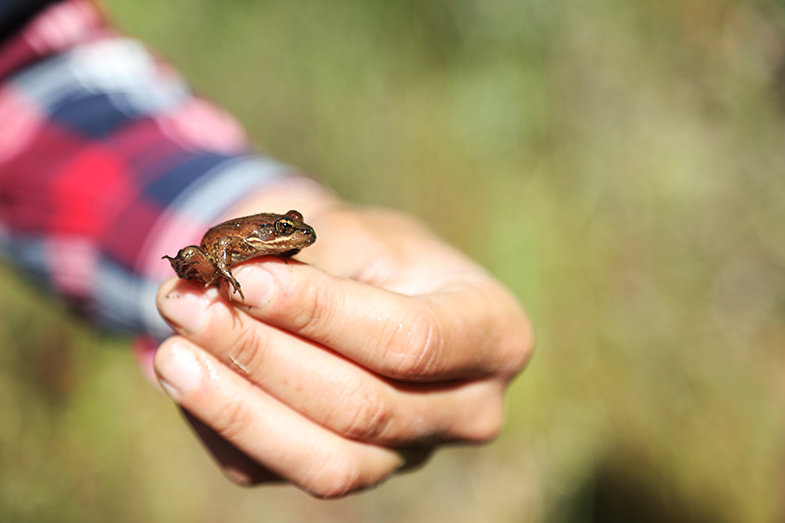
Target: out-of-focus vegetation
[620,165]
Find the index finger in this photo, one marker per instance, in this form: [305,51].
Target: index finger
[464,330]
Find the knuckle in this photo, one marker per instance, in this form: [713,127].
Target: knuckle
[241,480]
[487,425]
[362,414]
[246,351]
[415,347]
[520,348]
[515,335]
[337,477]
[312,311]
[249,475]
[232,419]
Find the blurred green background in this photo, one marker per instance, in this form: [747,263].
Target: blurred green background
[620,165]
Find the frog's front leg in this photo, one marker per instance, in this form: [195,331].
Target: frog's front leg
[227,275]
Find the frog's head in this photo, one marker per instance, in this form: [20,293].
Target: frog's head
[286,232]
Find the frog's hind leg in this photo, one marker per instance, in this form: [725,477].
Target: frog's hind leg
[191,263]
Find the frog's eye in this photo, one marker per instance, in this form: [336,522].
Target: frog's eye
[295,215]
[284,226]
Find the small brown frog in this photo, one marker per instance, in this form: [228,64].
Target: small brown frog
[235,241]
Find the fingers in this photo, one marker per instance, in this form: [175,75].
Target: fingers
[237,466]
[314,377]
[273,435]
[331,390]
[465,330]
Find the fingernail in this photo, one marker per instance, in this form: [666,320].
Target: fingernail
[258,285]
[179,371]
[187,309]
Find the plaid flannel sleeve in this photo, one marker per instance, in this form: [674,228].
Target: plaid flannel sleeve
[107,162]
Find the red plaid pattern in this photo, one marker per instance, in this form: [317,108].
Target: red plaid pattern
[107,162]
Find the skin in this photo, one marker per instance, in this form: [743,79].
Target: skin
[336,374]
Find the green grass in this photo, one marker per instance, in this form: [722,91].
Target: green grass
[618,164]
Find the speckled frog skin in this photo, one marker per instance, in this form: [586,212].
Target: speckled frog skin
[235,241]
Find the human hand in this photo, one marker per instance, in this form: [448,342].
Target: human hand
[336,374]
